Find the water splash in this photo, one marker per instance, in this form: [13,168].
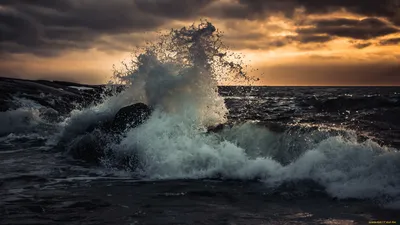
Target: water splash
[178,77]
[180,73]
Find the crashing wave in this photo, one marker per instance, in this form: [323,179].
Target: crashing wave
[178,78]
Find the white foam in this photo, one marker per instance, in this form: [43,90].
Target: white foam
[349,169]
[18,120]
[27,118]
[181,84]
[169,149]
[172,143]
[26,103]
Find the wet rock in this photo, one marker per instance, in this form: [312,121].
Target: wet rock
[127,117]
[88,147]
[130,116]
[92,146]
[104,126]
[49,114]
[216,129]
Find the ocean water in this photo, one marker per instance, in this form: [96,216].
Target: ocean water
[285,155]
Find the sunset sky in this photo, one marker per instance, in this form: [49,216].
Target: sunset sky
[291,42]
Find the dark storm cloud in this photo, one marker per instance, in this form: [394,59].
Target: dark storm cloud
[46,26]
[392,41]
[358,29]
[372,8]
[305,39]
[369,22]
[59,5]
[172,8]
[322,30]
[265,44]
[257,8]
[362,45]
[271,43]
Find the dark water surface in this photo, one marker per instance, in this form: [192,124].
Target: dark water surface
[359,181]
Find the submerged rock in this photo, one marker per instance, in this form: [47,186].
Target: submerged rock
[130,116]
[91,146]
[217,128]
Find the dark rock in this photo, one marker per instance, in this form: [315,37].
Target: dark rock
[49,114]
[216,129]
[50,94]
[104,126]
[127,117]
[130,116]
[91,146]
[276,127]
[88,147]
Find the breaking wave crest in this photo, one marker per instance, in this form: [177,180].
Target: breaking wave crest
[167,149]
[178,78]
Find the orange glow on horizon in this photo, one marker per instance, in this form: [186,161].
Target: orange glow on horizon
[277,65]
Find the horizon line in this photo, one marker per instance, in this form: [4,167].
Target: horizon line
[222,85]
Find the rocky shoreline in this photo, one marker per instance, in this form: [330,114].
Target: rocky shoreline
[59,95]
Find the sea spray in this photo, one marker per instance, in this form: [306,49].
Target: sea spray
[180,73]
[177,74]
[178,77]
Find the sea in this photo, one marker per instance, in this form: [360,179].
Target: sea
[280,155]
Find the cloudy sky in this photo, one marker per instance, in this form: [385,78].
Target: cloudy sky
[291,42]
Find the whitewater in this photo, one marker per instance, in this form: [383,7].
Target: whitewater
[313,145]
